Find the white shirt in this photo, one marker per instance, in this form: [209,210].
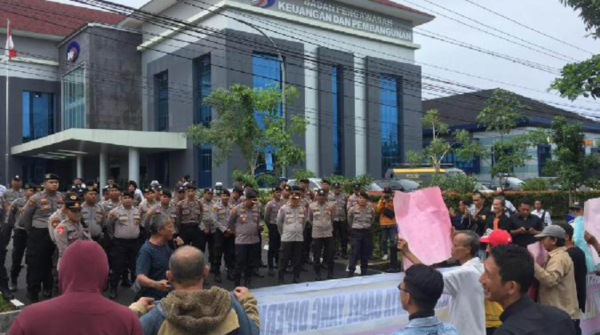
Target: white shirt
[547,218]
[467,312]
[2,190]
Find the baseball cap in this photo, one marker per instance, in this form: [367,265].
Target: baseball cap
[497,237]
[552,231]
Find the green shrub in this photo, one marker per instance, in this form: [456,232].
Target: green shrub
[536,184]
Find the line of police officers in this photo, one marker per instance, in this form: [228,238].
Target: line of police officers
[45,222]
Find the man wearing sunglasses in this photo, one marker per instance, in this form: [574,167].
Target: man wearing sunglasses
[420,291]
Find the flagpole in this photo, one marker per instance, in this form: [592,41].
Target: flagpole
[7,155]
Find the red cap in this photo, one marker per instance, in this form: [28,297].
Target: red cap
[497,237]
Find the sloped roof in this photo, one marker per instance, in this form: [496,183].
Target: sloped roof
[50,18]
[462,109]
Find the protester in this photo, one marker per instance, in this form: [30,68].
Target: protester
[138,196]
[462,219]
[509,272]
[153,258]
[579,235]
[580,268]
[497,218]
[479,214]
[189,309]
[523,226]
[389,230]
[420,291]
[557,277]
[81,308]
[541,213]
[466,306]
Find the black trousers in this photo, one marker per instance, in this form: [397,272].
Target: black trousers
[307,242]
[224,249]
[361,249]
[210,240]
[191,234]
[340,237]
[123,255]
[19,246]
[40,250]
[245,260]
[274,245]
[577,325]
[291,251]
[323,247]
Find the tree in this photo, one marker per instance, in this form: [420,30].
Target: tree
[581,79]
[248,119]
[440,146]
[569,163]
[501,115]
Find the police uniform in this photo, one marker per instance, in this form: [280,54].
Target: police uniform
[207,224]
[40,248]
[246,225]
[307,244]
[360,220]
[271,211]
[94,217]
[19,238]
[144,207]
[189,216]
[352,201]
[11,195]
[55,219]
[321,218]
[124,229]
[291,222]
[69,232]
[224,245]
[340,223]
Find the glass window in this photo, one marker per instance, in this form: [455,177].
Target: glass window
[161,92]
[337,111]
[544,155]
[266,72]
[73,99]
[204,88]
[390,115]
[38,115]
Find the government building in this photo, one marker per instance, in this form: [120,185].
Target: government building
[93,93]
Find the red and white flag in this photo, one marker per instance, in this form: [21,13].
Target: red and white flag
[9,49]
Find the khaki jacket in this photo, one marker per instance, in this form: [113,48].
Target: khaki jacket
[557,283]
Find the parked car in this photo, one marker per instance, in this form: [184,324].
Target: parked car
[404,185]
[509,183]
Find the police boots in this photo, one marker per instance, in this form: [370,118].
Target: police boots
[114,293]
[218,277]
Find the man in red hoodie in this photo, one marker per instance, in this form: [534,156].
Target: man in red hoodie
[81,308]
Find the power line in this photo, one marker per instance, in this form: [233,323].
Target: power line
[528,27]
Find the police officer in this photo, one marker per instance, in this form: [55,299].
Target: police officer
[271,211]
[40,247]
[360,218]
[353,199]
[13,193]
[306,198]
[20,234]
[224,238]
[71,230]
[179,195]
[93,214]
[291,220]
[246,225]
[165,206]
[147,204]
[114,199]
[340,223]
[320,215]
[208,227]
[236,196]
[189,216]
[124,229]
[286,193]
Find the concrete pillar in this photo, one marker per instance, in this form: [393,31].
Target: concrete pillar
[80,166]
[311,103]
[103,168]
[360,114]
[134,164]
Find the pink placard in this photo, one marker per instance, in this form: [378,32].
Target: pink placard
[424,222]
[540,255]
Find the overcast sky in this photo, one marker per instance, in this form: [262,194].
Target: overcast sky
[547,16]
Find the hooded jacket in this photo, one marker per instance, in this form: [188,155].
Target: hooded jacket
[203,312]
[80,309]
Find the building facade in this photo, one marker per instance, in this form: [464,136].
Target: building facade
[460,112]
[124,94]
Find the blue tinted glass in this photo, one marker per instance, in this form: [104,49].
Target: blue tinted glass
[38,115]
[73,97]
[161,88]
[389,115]
[204,87]
[266,72]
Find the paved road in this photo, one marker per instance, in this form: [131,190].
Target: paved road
[126,295]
